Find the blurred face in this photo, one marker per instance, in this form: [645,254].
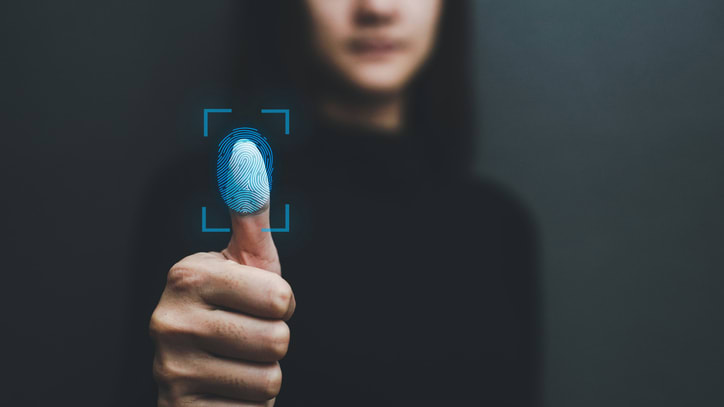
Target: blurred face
[376,46]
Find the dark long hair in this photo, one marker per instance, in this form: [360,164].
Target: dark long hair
[275,64]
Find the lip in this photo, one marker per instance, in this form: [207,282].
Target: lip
[375,47]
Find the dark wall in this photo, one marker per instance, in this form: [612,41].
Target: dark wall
[96,98]
[607,117]
[604,115]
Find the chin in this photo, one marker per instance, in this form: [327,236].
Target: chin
[379,84]
[378,88]
[376,78]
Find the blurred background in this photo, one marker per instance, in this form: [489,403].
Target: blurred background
[605,117]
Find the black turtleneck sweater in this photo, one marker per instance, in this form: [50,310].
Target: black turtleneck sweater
[415,284]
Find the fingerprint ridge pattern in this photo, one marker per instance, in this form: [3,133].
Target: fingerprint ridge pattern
[244,170]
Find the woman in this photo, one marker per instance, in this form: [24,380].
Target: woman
[415,282]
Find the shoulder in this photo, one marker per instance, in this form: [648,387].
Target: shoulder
[484,194]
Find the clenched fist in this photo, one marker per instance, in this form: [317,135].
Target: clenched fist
[219,327]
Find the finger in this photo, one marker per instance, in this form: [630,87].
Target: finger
[211,401]
[242,288]
[239,336]
[244,185]
[238,380]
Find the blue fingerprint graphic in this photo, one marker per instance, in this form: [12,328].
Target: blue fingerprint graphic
[244,170]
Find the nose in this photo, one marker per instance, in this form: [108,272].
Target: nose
[376,12]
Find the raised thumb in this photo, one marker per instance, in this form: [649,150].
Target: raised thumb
[244,185]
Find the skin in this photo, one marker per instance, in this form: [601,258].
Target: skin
[220,325]
[374,48]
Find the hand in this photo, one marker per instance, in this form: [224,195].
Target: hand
[219,327]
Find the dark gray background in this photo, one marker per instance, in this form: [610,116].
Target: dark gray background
[604,116]
[607,117]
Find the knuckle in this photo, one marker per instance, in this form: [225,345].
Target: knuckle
[165,325]
[185,277]
[277,341]
[272,382]
[161,324]
[156,325]
[280,297]
[167,372]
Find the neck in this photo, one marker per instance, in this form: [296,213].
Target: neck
[385,114]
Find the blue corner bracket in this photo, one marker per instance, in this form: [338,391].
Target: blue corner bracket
[206,118]
[286,222]
[285,112]
[206,229]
